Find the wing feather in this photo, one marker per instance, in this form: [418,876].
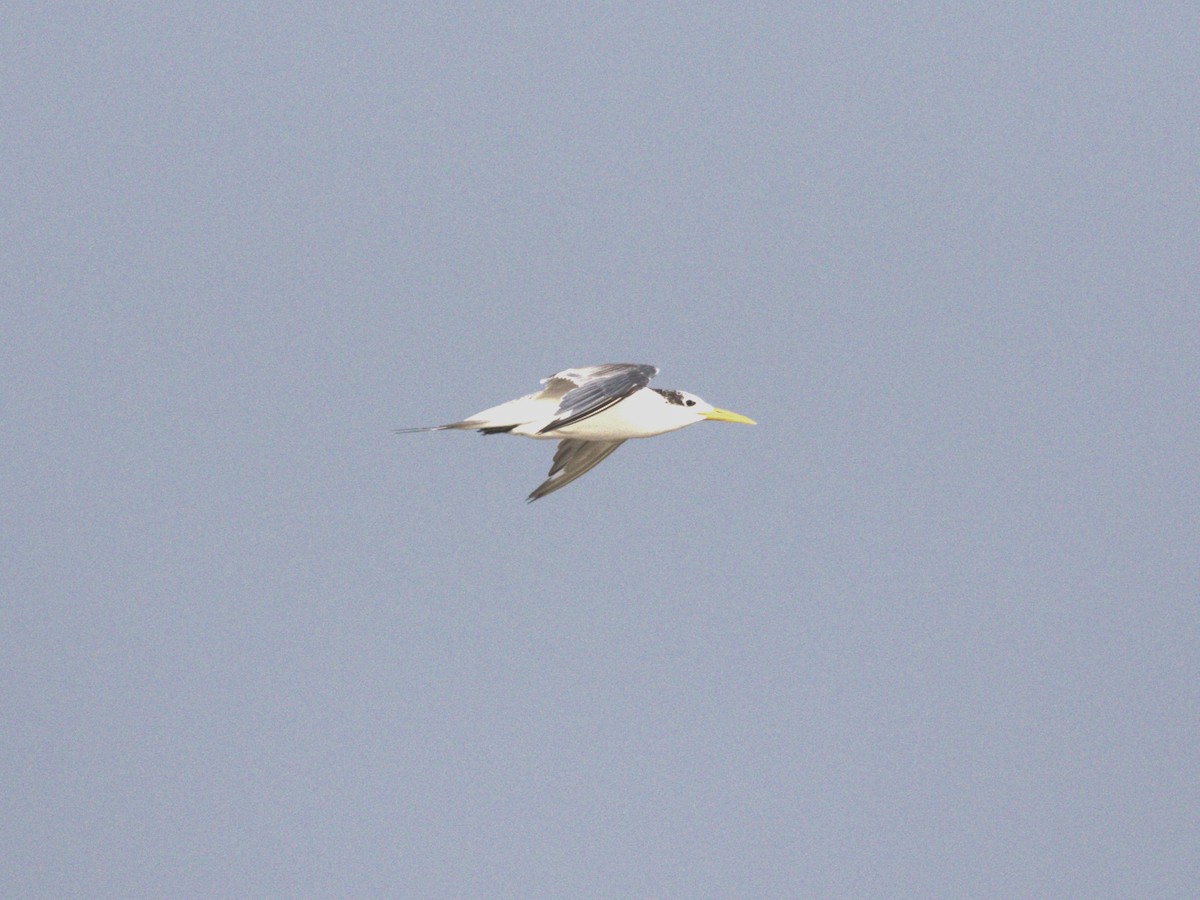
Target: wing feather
[596,388]
[573,459]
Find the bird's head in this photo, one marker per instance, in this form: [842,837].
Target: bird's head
[701,409]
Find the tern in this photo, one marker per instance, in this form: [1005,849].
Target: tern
[591,411]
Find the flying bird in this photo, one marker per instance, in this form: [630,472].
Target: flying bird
[591,411]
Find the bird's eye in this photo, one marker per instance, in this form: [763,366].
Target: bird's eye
[690,402]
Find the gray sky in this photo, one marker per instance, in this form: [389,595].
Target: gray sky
[929,629]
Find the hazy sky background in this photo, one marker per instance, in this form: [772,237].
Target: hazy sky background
[930,629]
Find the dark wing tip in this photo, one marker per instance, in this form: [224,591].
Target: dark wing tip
[573,459]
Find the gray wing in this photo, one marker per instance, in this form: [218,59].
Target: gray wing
[596,388]
[573,459]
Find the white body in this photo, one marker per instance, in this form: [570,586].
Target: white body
[643,413]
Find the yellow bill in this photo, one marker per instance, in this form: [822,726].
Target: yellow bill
[724,415]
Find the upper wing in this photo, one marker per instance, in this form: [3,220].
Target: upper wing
[592,389]
[572,460]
